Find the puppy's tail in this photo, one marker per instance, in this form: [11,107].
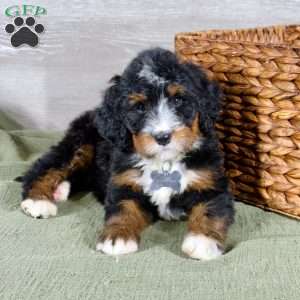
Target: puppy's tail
[19,179]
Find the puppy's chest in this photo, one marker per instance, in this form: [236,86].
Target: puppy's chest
[161,181]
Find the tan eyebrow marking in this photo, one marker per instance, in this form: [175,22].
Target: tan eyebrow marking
[137,97]
[175,88]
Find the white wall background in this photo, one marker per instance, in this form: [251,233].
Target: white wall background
[88,41]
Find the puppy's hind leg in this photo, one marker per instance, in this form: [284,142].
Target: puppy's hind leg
[49,180]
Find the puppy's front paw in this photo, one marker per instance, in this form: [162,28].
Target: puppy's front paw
[117,247]
[39,208]
[202,247]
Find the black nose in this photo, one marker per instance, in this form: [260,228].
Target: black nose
[163,138]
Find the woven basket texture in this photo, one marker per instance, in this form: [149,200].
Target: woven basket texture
[259,71]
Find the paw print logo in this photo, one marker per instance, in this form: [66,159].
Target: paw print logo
[24,34]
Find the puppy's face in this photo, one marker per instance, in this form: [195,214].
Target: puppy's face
[162,119]
[159,107]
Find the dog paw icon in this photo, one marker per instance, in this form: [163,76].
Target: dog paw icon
[24,33]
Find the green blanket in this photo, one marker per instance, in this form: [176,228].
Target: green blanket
[56,258]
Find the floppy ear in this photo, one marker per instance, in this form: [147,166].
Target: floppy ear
[109,119]
[208,94]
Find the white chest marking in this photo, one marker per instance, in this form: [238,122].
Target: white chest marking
[162,196]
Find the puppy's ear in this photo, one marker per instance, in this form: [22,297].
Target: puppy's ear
[109,119]
[208,95]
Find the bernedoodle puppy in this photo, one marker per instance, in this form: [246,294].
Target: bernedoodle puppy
[149,152]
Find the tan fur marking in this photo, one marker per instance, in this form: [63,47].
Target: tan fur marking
[128,224]
[142,142]
[128,178]
[82,158]
[188,135]
[204,181]
[175,89]
[137,97]
[200,223]
[44,187]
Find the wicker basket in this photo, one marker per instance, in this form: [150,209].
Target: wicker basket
[259,70]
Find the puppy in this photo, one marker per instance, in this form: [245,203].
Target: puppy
[149,152]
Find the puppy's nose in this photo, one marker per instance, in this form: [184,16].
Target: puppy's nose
[163,138]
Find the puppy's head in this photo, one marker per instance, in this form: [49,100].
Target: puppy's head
[159,107]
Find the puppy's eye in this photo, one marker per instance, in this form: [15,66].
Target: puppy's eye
[139,107]
[178,102]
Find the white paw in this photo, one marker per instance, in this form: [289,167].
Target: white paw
[118,248]
[62,191]
[199,246]
[39,208]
